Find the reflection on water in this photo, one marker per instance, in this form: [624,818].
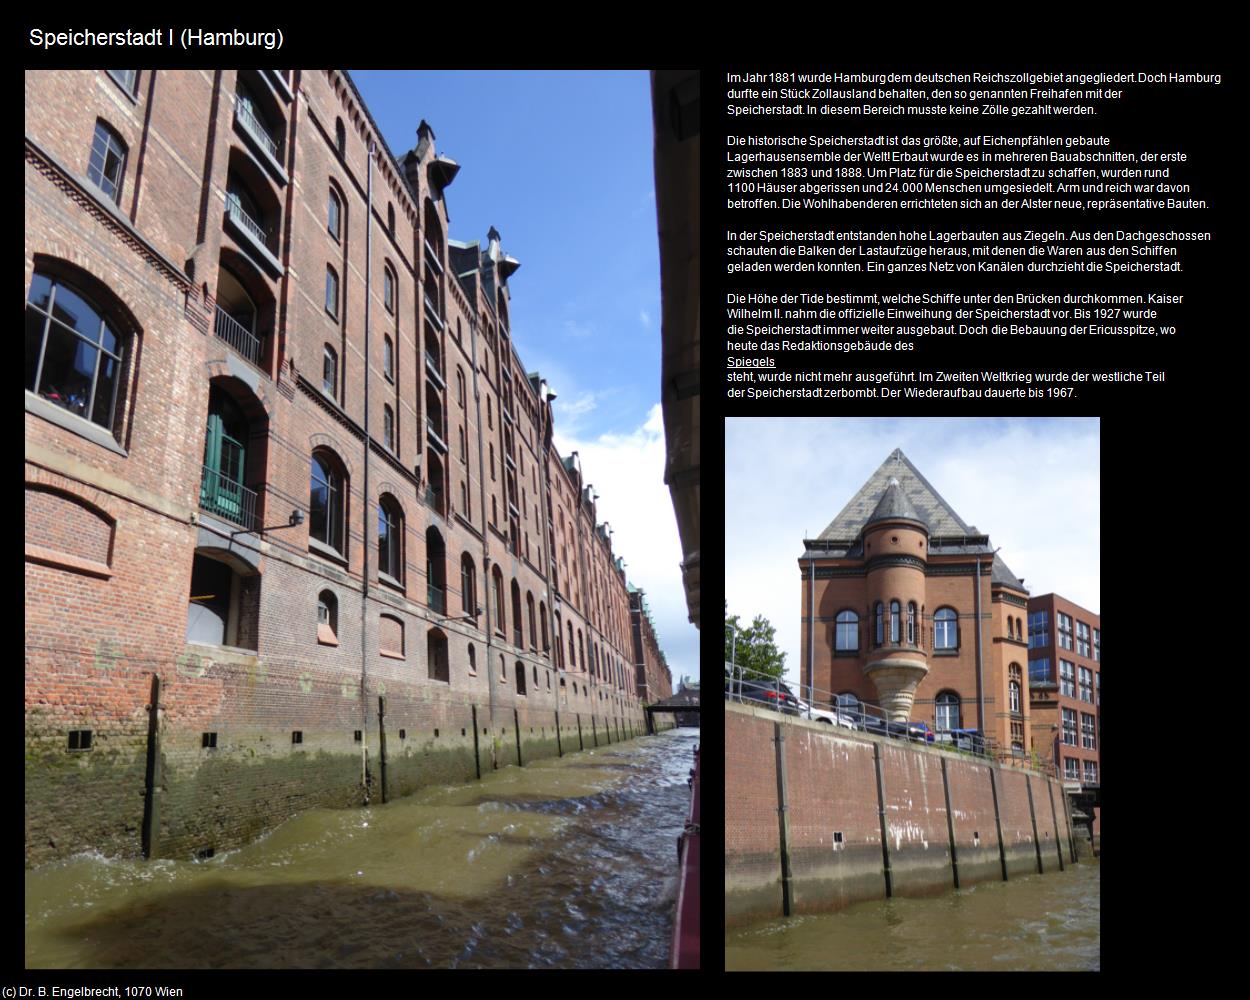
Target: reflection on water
[562,863]
[1032,922]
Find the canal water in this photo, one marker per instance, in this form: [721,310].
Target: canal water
[564,863]
[1033,922]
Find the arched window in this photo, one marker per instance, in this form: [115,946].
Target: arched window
[390,539]
[520,677]
[388,288]
[327,619]
[518,638]
[945,629]
[74,352]
[460,386]
[325,502]
[529,607]
[437,661]
[1011,628]
[468,586]
[581,651]
[436,570]
[388,358]
[390,218]
[879,611]
[340,137]
[107,165]
[846,631]
[947,711]
[894,621]
[334,215]
[542,619]
[572,665]
[497,579]
[329,371]
[472,660]
[1013,688]
[911,623]
[388,427]
[332,292]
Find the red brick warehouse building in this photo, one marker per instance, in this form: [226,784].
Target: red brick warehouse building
[296,532]
[912,609]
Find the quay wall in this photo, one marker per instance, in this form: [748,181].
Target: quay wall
[813,801]
[165,784]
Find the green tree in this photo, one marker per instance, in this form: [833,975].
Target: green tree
[753,648]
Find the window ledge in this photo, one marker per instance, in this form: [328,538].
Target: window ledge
[326,636]
[945,652]
[323,550]
[390,581]
[73,423]
[390,654]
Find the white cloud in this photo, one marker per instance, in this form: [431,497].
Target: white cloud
[645,317]
[627,471]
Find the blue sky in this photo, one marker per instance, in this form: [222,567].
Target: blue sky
[1033,486]
[560,162]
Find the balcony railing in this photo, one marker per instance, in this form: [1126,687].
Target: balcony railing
[256,128]
[436,598]
[431,309]
[435,437]
[227,498]
[431,365]
[434,498]
[237,336]
[249,225]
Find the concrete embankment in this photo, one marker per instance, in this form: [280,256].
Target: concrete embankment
[816,819]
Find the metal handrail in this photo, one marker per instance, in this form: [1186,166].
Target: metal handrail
[234,333]
[868,717]
[255,128]
[227,498]
[242,219]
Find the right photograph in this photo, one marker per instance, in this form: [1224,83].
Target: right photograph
[912,694]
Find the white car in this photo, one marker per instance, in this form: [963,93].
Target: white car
[825,715]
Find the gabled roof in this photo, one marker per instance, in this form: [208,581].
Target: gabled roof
[926,504]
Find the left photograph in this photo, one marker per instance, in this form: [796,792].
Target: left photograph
[361,597]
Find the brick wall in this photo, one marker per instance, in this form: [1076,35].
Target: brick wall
[834,830]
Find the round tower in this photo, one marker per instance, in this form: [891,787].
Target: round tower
[896,542]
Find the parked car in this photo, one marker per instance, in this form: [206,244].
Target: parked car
[917,731]
[826,715]
[963,739]
[773,694]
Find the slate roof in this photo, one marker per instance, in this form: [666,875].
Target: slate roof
[926,503]
[897,489]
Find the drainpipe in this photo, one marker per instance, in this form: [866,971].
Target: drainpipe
[487,594]
[976,599]
[364,590]
[811,628]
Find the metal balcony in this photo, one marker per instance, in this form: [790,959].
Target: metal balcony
[431,366]
[436,598]
[256,129]
[228,499]
[435,437]
[237,336]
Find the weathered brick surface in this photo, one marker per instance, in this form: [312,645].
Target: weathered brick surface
[112,537]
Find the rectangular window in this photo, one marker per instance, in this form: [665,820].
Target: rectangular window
[1065,630]
[1067,678]
[107,165]
[1098,645]
[1039,671]
[1087,731]
[1082,639]
[1091,772]
[1087,684]
[1069,727]
[332,292]
[1039,629]
[1069,769]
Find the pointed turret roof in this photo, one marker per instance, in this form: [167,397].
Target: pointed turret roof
[893,505]
[913,492]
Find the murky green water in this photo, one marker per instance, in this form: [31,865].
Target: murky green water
[1036,922]
[563,863]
